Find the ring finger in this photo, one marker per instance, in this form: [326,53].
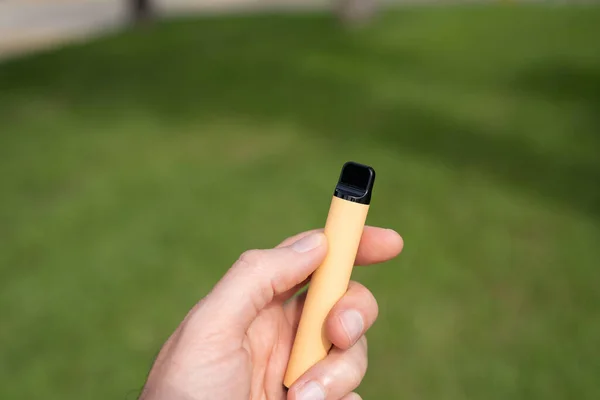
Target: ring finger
[334,377]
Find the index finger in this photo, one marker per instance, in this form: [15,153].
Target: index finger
[376,244]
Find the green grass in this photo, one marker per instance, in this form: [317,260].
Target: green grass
[135,169]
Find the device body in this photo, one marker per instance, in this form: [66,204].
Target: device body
[343,229]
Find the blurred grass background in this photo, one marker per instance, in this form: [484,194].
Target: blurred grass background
[135,169]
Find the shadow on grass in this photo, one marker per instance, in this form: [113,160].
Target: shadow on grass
[304,69]
[563,81]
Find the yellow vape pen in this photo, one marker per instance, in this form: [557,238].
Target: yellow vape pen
[344,227]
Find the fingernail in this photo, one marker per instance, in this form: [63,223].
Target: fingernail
[308,243]
[311,391]
[353,324]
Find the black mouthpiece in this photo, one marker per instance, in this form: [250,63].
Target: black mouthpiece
[355,183]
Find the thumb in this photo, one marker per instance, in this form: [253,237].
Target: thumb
[260,275]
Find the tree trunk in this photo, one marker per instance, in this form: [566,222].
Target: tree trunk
[140,10]
[355,12]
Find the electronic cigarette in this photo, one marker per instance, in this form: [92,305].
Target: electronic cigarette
[343,229]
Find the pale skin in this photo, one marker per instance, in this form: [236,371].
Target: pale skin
[235,343]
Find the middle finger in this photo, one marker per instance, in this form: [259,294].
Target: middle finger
[349,318]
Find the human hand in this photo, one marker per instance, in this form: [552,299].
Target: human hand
[235,343]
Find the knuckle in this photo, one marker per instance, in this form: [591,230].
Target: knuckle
[361,290]
[363,296]
[352,396]
[363,365]
[356,365]
[356,372]
[371,299]
[251,257]
[364,344]
[356,286]
[375,306]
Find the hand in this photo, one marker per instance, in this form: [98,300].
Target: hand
[235,343]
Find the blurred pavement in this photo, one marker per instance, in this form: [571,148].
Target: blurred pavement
[27,25]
